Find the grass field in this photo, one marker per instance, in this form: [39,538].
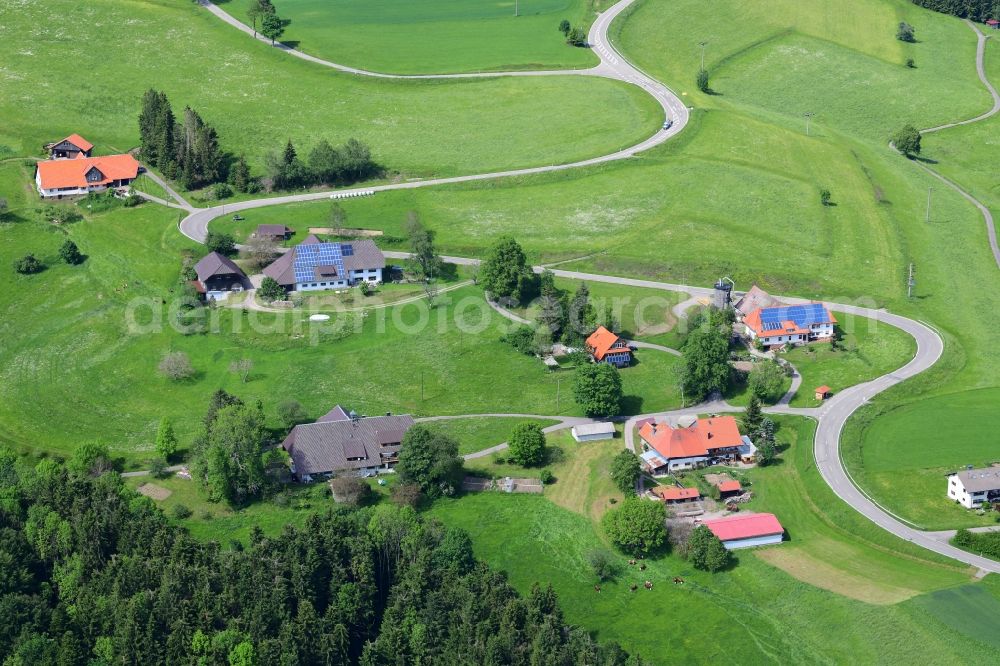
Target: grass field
[435,36]
[258,97]
[478,433]
[754,613]
[868,350]
[73,367]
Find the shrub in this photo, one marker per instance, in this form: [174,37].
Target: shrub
[291,413]
[270,290]
[910,63]
[222,191]
[406,494]
[824,197]
[702,80]
[350,490]
[181,511]
[70,253]
[176,366]
[576,37]
[546,477]
[222,243]
[906,32]
[527,444]
[602,563]
[28,264]
[132,200]
[158,468]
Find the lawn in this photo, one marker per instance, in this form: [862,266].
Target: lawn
[482,432]
[939,435]
[258,98]
[868,350]
[435,36]
[754,613]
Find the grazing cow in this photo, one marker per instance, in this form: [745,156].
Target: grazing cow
[642,567]
[678,580]
[634,587]
[597,588]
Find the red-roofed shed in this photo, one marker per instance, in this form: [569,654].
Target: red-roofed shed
[747,530]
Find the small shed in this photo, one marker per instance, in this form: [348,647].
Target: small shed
[993,23]
[823,392]
[277,232]
[675,495]
[729,488]
[590,432]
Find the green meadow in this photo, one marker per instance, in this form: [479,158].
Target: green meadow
[258,97]
[435,36]
[776,604]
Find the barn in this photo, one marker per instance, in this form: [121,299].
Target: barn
[747,530]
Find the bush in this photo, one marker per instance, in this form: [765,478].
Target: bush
[350,490]
[527,444]
[546,477]
[291,413]
[28,265]
[576,37]
[702,80]
[910,63]
[70,253]
[905,32]
[132,200]
[181,511]
[224,244]
[637,525]
[706,552]
[824,197]
[270,290]
[222,191]
[602,563]
[522,339]
[406,494]
[176,366]
[158,468]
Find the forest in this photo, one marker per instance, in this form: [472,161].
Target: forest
[976,10]
[94,573]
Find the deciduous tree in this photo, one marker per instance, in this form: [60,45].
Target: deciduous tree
[597,387]
[625,469]
[270,290]
[430,460]
[706,552]
[527,444]
[636,525]
[907,140]
[166,440]
[176,366]
[505,262]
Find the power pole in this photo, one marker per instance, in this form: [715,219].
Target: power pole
[927,215]
[910,281]
[558,386]
[808,115]
[421,386]
[703,45]
[515,7]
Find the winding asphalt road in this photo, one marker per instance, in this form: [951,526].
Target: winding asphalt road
[612,66]
[833,415]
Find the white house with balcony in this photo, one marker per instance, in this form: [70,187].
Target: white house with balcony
[972,487]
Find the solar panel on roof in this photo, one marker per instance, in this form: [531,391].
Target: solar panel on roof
[803,315]
[309,257]
[347,250]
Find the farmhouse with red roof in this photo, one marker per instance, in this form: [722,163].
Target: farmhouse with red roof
[606,347]
[68,177]
[747,530]
[789,324]
[704,442]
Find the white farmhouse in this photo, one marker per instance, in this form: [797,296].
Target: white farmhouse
[314,265]
[789,324]
[972,487]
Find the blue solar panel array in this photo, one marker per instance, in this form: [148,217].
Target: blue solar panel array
[347,250]
[308,257]
[803,315]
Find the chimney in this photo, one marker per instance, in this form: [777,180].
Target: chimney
[710,435]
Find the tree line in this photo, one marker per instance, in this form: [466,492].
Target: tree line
[976,10]
[188,151]
[95,574]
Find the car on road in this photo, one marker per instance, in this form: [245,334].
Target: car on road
[668,123]
[238,217]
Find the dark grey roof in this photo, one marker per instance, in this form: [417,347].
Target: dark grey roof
[328,446]
[335,414]
[979,480]
[216,264]
[271,230]
[364,255]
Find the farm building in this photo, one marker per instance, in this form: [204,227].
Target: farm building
[823,392]
[675,495]
[729,488]
[275,232]
[972,487]
[747,530]
[606,347]
[69,177]
[70,148]
[590,432]
[753,299]
[314,265]
[703,442]
[993,23]
[789,324]
[218,275]
[338,443]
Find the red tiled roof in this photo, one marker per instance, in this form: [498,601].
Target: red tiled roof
[694,441]
[73,173]
[745,526]
[992,22]
[729,486]
[602,342]
[788,327]
[672,493]
[79,142]
[824,389]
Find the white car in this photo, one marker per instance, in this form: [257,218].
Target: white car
[668,123]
